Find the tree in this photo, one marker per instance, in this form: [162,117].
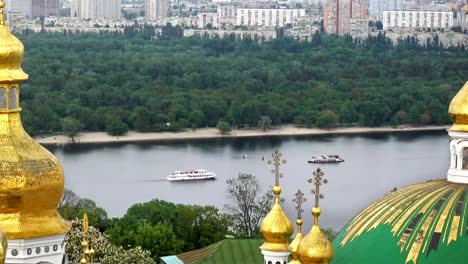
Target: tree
[69,199]
[379,25]
[73,207]
[247,205]
[207,225]
[159,239]
[327,119]
[330,233]
[116,127]
[105,252]
[223,127]
[71,126]
[264,123]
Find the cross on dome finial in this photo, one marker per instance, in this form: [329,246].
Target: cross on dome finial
[318,180]
[2,15]
[277,161]
[299,200]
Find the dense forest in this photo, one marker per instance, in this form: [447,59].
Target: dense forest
[134,80]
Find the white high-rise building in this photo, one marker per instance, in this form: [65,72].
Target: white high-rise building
[376,7]
[417,19]
[95,9]
[156,9]
[256,17]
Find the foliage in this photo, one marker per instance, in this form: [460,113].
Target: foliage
[330,233]
[104,250]
[159,239]
[130,256]
[264,123]
[168,220]
[223,127]
[73,207]
[327,119]
[71,126]
[247,205]
[116,82]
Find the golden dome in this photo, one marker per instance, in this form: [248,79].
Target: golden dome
[31,178]
[315,248]
[11,53]
[3,247]
[458,110]
[295,243]
[276,228]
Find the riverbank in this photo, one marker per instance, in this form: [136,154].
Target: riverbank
[207,133]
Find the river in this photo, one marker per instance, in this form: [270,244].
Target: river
[117,176]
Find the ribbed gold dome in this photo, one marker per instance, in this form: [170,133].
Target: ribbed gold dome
[31,178]
[458,110]
[3,247]
[276,228]
[295,243]
[11,53]
[315,248]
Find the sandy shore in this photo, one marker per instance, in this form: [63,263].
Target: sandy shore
[102,137]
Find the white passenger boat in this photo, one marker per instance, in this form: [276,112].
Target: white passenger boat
[326,159]
[191,175]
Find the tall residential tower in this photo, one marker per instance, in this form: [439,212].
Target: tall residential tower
[33,8]
[156,9]
[95,9]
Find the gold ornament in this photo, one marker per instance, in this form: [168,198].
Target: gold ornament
[276,228]
[31,178]
[315,248]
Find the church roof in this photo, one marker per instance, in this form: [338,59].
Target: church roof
[228,251]
[423,223]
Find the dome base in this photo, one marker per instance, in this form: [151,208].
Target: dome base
[457,176]
[273,257]
[50,249]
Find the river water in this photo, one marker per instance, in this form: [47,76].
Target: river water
[117,176]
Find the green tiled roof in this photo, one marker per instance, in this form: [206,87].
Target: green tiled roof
[228,251]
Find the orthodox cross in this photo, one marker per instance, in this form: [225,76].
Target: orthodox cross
[318,180]
[299,200]
[276,161]
[2,15]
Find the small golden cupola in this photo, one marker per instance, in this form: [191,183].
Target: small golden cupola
[458,110]
[315,248]
[276,228]
[299,199]
[31,178]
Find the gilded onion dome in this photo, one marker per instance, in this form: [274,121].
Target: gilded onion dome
[276,228]
[299,199]
[3,247]
[315,248]
[31,178]
[458,110]
[295,243]
[11,53]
